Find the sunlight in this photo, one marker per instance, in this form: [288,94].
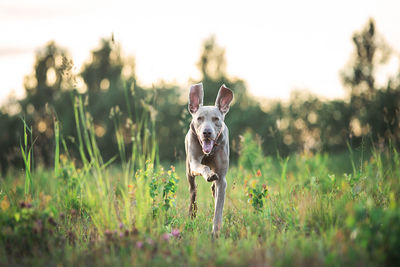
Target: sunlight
[275,48]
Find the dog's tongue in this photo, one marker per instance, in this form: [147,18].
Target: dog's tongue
[207,146]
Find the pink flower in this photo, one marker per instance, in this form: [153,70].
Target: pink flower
[150,241]
[166,236]
[108,234]
[139,244]
[264,186]
[175,232]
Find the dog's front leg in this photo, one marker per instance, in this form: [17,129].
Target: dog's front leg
[199,169]
[219,204]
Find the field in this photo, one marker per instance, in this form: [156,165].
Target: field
[304,210]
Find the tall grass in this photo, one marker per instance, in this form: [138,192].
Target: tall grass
[27,156]
[298,210]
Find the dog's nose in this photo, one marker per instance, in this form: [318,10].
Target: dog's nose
[207,133]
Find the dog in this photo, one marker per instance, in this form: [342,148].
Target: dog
[207,148]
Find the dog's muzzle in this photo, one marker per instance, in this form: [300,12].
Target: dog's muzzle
[207,145]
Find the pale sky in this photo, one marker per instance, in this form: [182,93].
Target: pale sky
[275,46]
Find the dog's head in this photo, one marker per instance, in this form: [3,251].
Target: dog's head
[208,121]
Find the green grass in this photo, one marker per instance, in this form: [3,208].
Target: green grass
[306,210]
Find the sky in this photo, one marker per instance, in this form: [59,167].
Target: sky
[275,46]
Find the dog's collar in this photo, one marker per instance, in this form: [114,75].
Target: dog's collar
[216,143]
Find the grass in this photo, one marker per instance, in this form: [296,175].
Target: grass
[306,210]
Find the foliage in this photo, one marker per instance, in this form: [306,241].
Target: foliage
[27,230]
[251,155]
[107,200]
[256,193]
[373,108]
[308,214]
[108,86]
[169,189]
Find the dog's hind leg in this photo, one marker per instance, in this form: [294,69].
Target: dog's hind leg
[213,189]
[193,193]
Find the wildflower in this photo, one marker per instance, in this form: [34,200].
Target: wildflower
[108,233]
[150,241]
[135,230]
[52,221]
[175,232]
[139,244]
[44,199]
[63,158]
[264,186]
[71,237]
[38,227]
[258,173]
[73,212]
[166,236]
[121,225]
[131,190]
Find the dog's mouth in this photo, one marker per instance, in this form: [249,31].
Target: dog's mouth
[207,145]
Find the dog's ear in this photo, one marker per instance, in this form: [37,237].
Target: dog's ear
[196,96]
[224,99]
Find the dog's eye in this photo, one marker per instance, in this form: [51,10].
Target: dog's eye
[215,119]
[201,118]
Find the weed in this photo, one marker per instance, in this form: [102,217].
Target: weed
[279,211]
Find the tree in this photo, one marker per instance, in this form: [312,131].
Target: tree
[47,89]
[51,74]
[103,71]
[242,114]
[212,63]
[111,85]
[373,110]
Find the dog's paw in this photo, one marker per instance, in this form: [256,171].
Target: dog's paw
[213,177]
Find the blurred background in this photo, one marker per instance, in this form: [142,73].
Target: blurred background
[307,75]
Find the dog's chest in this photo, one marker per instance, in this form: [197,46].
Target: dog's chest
[208,160]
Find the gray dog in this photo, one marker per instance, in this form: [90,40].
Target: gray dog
[207,147]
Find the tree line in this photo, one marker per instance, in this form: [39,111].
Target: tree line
[108,84]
